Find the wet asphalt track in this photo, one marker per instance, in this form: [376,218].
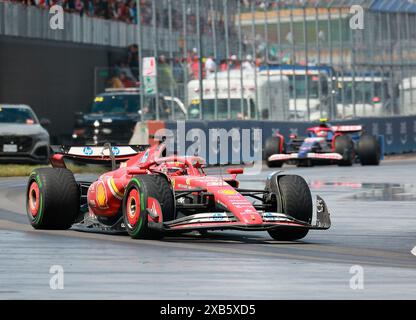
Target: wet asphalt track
[373,211]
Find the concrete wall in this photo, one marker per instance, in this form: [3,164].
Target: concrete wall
[54,78]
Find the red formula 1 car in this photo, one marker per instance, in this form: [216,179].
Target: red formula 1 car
[150,195]
[325,144]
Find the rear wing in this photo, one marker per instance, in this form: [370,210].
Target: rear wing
[347,128]
[94,154]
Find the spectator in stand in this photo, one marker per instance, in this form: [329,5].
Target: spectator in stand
[125,10]
[194,65]
[70,5]
[127,83]
[146,12]
[41,3]
[133,11]
[124,68]
[259,61]
[115,82]
[248,64]
[210,66]
[133,59]
[103,9]
[223,65]
[113,10]
[165,76]
[90,8]
[234,64]
[79,7]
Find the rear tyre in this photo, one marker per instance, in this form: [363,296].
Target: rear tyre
[145,192]
[369,151]
[293,197]
[345,147]
[52,199]
[273,146]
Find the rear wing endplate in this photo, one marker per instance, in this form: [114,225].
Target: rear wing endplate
[94,154]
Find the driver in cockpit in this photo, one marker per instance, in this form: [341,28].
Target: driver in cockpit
[174,168]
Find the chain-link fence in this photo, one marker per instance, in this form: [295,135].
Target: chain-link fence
[283,60]
[246,59]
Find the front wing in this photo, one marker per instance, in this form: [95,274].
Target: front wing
[311,156]
[226,220]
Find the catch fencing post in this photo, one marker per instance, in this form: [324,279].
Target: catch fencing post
[266,39]
[280,52]
[240,57]
[305,47]
[155,52]
[185,55]
[215,56]
[293,60]
[140,56]
[253,32]
[198,27]
[227,53]
[171,57]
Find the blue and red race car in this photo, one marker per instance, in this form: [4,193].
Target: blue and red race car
[324,144]
[149,194]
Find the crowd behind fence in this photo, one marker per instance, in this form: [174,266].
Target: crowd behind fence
[309,47]
[244,59]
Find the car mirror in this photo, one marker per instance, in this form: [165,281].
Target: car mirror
[235,170]
[45,122]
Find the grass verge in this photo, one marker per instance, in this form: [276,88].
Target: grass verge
[23,170]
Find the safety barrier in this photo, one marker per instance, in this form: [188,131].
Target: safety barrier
[399,135]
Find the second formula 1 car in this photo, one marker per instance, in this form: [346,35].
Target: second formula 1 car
[149,195]
[325,144]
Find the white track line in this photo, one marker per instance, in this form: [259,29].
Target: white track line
[413,251]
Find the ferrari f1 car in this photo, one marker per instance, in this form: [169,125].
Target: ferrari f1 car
[324,144]
[149,195]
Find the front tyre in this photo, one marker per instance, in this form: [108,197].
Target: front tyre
[52,199]
[144,193]
[273,146]
[293,197]
[345,147]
